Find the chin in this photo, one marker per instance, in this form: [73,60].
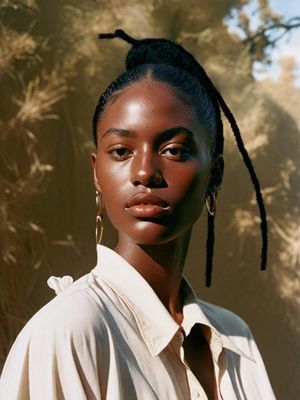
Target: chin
[153,233]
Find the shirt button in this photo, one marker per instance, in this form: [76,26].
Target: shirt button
[196,394]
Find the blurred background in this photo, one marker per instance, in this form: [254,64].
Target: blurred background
[52,70]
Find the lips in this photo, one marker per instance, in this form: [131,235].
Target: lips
[146,199]
[145,205]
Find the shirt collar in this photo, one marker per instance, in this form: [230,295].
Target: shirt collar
[155,324]
[195,311]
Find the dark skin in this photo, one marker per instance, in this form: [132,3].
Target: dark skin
[150,142]
[198,355]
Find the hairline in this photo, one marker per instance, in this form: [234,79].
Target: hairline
[149,76]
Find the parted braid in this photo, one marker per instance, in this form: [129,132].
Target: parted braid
[163,52]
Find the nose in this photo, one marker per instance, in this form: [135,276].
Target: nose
[146,171]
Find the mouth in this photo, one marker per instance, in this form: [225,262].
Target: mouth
[145,205]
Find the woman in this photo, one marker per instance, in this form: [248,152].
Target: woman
[133,327]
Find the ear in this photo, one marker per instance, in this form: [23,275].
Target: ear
[216,174]
[96,179]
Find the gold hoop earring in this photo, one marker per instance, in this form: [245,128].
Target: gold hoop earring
[211,203]
[99,217]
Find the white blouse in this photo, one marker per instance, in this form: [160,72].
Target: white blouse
[108,336]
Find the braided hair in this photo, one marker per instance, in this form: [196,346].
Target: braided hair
[168,62]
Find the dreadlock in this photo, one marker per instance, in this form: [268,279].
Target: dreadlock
[170,63]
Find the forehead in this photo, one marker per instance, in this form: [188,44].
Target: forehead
[147,104]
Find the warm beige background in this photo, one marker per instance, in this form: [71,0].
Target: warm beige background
[52,69]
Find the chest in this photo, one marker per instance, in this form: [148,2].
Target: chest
[197,355]
[137,374]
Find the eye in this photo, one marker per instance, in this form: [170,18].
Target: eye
[120,153]
[177,152]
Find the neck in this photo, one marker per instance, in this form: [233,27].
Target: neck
[161,266]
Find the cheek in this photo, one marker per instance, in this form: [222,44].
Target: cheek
[113,178]
[109,174]
[189,182]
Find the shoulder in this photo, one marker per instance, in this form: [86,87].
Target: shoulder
[61,346]
[75,313]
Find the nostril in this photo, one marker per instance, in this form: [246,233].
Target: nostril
[146,170]
[149,180]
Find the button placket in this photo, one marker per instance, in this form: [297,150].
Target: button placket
[216,347]
[196,390]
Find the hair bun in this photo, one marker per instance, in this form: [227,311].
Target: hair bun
[158,51]
[161,51]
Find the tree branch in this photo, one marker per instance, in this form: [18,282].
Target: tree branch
[262,38]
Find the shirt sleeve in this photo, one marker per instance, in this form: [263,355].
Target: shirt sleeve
[56,356]
[257,373]
[249,374]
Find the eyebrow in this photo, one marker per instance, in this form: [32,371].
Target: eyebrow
[119,132]
[170,133]
[162,136]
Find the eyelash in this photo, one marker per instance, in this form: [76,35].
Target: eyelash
[118,157]
[184,152]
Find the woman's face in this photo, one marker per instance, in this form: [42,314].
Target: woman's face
[152,163]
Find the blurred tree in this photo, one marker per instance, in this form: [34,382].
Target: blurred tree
[29,93]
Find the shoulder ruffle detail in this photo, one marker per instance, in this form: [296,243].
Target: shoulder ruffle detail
[59,284]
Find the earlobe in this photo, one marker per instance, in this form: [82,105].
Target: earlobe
[216,175]
[96,178]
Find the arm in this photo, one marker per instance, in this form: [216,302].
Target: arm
[56,356]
